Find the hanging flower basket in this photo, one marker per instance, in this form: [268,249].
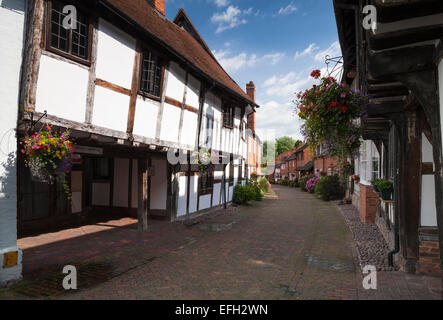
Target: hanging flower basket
[329,111]
[356,178]
[49,156]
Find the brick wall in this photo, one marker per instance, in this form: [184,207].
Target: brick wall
[429,261]
[369,202]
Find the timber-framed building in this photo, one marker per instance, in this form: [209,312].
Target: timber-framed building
[398,63]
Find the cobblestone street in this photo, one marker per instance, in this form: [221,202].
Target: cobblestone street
[290,246]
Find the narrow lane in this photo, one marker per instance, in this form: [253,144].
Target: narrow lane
[293,247]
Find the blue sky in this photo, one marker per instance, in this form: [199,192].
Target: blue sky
[275,43]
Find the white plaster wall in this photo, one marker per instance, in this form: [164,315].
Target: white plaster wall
[193,92]
[217,192]
[11,44]
[193,194]
[205,202]
[62,89]
[121,183]
[170,123]
[110,109]
[182,196]
[146,113]
[159,185]
[189,130]
[115,55]
[176,82]
[428,204]
[101,194]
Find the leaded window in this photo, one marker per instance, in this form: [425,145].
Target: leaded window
[72,41]
[151,73]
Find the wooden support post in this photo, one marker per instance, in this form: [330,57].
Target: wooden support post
[143,198]
[410,190]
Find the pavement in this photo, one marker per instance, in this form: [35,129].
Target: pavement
[290,246]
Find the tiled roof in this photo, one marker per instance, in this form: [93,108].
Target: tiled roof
[177,39]
[306,167]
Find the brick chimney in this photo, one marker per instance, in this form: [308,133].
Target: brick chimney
[250,91]
[159,5]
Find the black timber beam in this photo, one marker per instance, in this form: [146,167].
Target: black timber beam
[380,109]
[400,61]
[387,13]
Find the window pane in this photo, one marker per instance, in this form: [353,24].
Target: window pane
[59,35]
[151,74]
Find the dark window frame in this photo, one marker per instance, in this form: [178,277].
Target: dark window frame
[228,111]
[95,163]
[90,32]
[209,188]
[161,61]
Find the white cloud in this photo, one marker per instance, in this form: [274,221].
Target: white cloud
[274,57]
[307,52]
[221,3]
[236,62]
[333,51]
[229,19]
[288,9]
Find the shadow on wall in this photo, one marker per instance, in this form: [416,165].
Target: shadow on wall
[14,5]
[8,185]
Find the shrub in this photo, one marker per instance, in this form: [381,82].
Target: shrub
[272,181]
[284,182]
[264,185]
[304,180]
[329,188]
[243,194]
[311,183]
[258,194]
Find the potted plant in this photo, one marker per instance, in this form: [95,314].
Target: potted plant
[385,187]
[356,178]
[375,183]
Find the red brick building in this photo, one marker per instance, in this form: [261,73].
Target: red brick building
[324,164]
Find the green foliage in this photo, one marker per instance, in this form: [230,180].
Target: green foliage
[298,143]
[375,181]
[244,194]
[258,193]
[329,188]
[294,183]
[304,180]
[272,181]
[384,185]
[264,184]
[284,144]
[284,183]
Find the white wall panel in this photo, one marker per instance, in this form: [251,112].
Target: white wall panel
[115,55]
[217,192]
[170,123]
[110,109]
[193,93]
[62,89]
[176,82]
[193,195]
[189,130]
[182,196]
[205,202]
[145,122]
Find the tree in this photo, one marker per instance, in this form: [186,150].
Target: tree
[284,144]
[298,143]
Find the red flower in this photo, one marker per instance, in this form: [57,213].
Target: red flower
[48,128]
[316,74]
[344,109]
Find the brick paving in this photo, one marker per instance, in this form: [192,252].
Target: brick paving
[290,246]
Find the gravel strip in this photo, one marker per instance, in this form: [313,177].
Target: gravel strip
[371,246]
